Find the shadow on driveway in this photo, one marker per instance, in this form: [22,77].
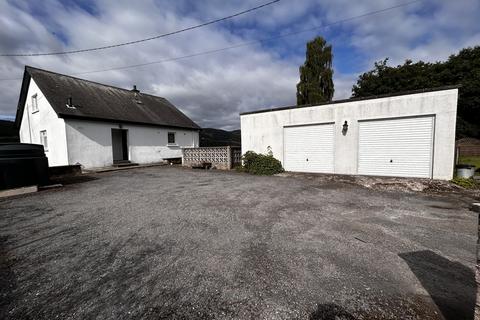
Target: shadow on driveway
[66,180]
[330,311]
[450,284]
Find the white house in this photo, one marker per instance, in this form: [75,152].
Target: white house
[97,125]
[405,135]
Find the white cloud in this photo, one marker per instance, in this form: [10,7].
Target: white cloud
[213,89]
[427,30]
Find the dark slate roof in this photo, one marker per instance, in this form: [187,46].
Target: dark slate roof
[95,101]
[355,99]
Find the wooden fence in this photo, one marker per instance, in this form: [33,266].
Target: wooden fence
[468,147]
[469,151]
[224,158]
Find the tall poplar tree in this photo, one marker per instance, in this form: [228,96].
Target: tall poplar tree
[316,83]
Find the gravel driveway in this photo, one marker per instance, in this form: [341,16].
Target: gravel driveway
[173,243]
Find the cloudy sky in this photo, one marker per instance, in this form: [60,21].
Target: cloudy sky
[213,89]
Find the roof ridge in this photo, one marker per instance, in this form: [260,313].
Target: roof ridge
[94,82]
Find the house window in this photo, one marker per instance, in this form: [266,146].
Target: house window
[43,139]
[34,103]
[171,138]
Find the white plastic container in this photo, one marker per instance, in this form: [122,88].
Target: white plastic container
[465,171]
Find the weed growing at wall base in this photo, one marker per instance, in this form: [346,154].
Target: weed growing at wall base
[466,183]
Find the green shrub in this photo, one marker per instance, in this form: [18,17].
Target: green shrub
[466,183]
[239,168]
[260,164]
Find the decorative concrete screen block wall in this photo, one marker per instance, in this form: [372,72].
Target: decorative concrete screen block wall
[219,157]
[404,135]
[236,155]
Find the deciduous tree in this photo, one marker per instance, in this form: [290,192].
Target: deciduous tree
[460,69]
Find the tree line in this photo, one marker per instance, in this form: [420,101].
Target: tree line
[463,68]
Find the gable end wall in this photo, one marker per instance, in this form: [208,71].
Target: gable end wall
[44,119]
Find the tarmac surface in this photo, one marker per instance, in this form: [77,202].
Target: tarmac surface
[174,243]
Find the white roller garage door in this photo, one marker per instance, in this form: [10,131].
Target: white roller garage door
[309,148]
[396,147]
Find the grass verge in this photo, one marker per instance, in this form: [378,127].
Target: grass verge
[473,160]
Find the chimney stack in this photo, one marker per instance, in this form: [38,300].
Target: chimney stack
[135,89]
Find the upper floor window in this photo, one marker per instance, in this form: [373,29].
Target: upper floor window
[171,138]
[44,140]
[34,103]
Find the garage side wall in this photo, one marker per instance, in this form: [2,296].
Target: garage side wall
[90,143]
[263,130]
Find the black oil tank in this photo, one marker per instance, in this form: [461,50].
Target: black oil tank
[22,164]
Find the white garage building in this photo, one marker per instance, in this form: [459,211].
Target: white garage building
[404,135]
[96,125]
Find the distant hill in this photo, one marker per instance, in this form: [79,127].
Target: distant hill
[210,137]
[8,132]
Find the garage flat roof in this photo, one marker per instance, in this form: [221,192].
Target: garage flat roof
[402,93]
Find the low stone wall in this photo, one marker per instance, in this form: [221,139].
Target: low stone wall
[224,158]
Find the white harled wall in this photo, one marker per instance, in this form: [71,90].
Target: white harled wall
[260,130]
[44,119]
[90,142]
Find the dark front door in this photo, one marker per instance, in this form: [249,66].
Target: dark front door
[119,145]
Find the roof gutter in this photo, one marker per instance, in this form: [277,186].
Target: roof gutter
[77,117]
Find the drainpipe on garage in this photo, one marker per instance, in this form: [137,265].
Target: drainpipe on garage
[476,208]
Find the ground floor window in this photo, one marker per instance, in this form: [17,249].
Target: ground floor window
[43,139]
[171,138]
